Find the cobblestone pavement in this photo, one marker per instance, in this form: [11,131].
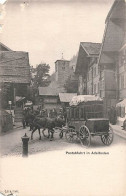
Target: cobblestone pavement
[11,143]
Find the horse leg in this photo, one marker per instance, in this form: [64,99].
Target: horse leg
[30,127]
[51,137]
[23,124]
[26,123]
[39,133]
[33,132]
[61,134]
[48,133]
[43,132]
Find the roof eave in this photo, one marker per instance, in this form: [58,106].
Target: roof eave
[110,11]
[5,47]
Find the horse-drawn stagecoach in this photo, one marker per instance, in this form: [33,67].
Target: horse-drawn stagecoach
[85,119]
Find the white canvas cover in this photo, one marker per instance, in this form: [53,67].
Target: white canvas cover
[83,98]
[121,103]
[29,103]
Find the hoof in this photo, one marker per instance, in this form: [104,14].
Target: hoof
[40,138]
[31,138]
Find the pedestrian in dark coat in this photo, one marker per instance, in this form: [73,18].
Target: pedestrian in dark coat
[124,125]
[113,116]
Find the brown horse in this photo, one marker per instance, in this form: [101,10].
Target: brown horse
[47,123]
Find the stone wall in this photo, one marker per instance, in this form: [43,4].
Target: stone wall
[6,121]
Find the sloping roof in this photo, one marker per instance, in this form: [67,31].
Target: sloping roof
[121,103]
[86,49]
[117,13]
[66,97]
[14,67]
[4,48]
[18,98]
[91,48]
[62,60]
[48,90]
[114,32]
[106,58]
[84,98]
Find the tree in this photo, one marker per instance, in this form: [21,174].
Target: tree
[39,78]
[42,74]
[71,85]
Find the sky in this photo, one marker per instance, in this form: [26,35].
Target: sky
[48,28]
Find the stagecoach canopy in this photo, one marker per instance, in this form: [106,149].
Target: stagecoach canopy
[121,103]
[83,98]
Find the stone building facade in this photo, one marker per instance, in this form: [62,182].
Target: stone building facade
[62,72]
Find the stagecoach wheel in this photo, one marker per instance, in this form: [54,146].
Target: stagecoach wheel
[85,136]
[70,134]
[107,138]
[61,134]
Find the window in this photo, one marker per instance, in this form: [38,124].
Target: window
[91,72]
[102,74]
[125,81]
[102,85]
[122,58]
[120,110]
[98,70]
[63,68]
[122,81]
[96,60]
[88,76]
[98,87]
[95,89]
[95,71]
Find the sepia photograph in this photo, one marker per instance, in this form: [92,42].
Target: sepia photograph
[62,97]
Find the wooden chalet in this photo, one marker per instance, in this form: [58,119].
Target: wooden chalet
[48,98]
[15,70]
[87,68]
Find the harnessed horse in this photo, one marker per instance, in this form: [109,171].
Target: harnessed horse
[47,123]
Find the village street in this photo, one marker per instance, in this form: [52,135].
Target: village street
[55,167]
[11,143]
